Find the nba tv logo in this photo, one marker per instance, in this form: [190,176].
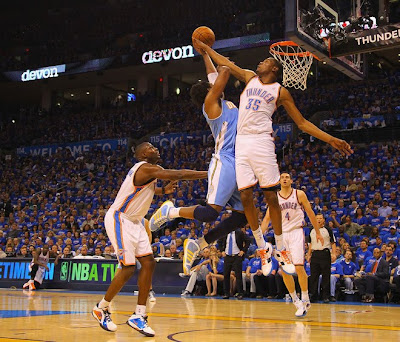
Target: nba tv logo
[64,271]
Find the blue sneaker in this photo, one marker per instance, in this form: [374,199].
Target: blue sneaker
[160,217]
[139,323]
[104,318]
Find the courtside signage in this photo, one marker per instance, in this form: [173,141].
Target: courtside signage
[166,54]
[19,270]
[42,73]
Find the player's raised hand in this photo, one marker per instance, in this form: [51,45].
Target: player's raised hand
[200,46]
[341,145]
[170,188]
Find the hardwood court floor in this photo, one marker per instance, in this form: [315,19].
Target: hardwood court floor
[65,316]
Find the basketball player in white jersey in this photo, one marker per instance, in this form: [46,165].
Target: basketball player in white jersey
[128,236]
[293,203]
[38,267]
[255,149]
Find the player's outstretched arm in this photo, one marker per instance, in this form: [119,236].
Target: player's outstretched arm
[286,100]
[150,171]
[243,75]
[210,67]
[303,200]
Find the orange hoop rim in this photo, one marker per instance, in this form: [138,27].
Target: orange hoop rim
[289,43]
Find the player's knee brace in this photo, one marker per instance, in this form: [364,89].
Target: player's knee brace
[205,213]
[235,221]
[239,219]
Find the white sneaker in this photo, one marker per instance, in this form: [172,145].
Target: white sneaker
[186,293]
[266,261]
[139,323]
[285,261]
[103,316]
[301,309]
[152,297]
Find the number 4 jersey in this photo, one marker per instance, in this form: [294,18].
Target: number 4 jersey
[257,105]
[292,212]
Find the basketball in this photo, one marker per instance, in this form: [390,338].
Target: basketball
[204,34]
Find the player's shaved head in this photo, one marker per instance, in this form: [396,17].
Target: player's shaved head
[147,152]
[140,150]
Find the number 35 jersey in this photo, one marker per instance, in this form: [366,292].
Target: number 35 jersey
[292,212]
[257,105]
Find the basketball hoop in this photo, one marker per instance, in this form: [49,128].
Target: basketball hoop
[296,63]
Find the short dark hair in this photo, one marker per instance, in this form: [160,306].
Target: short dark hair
[198,92]
[280,68]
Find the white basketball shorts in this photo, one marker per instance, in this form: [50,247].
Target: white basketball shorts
[293,241]
[256,161]
[129,238]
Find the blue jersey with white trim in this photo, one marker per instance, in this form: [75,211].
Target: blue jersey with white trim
[134,201]
[224,127]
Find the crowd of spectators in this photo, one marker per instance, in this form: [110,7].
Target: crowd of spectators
[177,113]
[51,34]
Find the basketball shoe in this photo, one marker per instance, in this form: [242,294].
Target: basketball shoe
[104,318]
[26,286]
[266,261]
[139,323]
[284,261]
[160,216]
[301,308]
[191,250]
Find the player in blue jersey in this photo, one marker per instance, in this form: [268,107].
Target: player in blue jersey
[221,116]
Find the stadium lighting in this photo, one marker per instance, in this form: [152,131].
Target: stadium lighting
[87,93]
[178,91]
[72,95]
[13,121]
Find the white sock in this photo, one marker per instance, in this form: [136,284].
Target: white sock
[103,304]
[304,296]
[140,310]
[173,213]
[279,242]
[294,296]
[258,235]
[202,243]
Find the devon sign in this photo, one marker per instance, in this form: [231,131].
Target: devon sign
[166,54]
[43,73]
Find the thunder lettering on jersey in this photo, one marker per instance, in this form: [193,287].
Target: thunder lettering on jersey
[292,212]
[223,128]
[257,105]
[134,201]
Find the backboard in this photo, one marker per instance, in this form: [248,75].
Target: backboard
[310,23]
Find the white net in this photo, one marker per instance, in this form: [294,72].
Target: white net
[296,63]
